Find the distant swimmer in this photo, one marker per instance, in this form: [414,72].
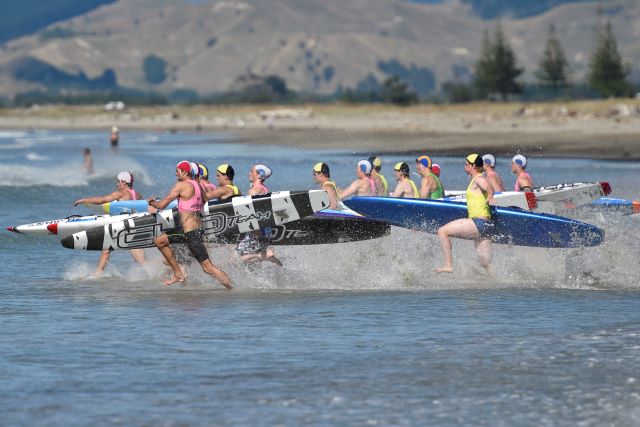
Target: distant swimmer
[88,162]
[254,246]
[322,176]
[479,224]
[430,185]
[406,188]
[190,201]
[115,138]
[382,186]
[492,176]
[124,191]
[524,182]
[363,185]
[226,188]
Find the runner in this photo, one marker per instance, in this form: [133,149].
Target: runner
[479,225]
[492,176]
[226,189]
[254,246]
[524,182]
[382,186]
[430,185]
[190,200]
[364,185]
[125,191]
[322,176]
[406,188]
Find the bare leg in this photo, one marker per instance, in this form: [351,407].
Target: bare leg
[102,263]
[209,268]
[162,243]
[463,228]
[271,256]
[138,256]
[483,248]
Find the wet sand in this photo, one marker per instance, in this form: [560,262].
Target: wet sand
[592,129]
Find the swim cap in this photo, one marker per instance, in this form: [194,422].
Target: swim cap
[263,170]
[322,168]
[520,160]
[204,171]
[489,160]
[435,168]
[126,177]
[195,169]
[184,166]
[402,167]
[115,129]
[364,166]
[424,161]
[475,160]
[227,170]
[376,162]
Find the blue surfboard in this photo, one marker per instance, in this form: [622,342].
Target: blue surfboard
[512,226]
[124,206]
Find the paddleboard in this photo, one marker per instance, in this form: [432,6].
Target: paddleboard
[610,205]
[64,227]
[512,226]
[124,206]
[239,215]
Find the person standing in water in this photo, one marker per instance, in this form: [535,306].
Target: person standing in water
[492,176]
[363,185]
[254,245]
[115,138]
[406,188]
[524,182]
[382,186]
[430,185]
[478,226]
[322,176]
[190,201]
[124,191]
[88,161]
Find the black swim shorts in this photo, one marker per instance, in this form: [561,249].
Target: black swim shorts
[196,245]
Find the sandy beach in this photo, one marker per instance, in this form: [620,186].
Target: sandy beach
[608,129]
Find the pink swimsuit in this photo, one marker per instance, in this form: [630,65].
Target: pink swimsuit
[194,204]
[372,187]
[261,188]
[133,193]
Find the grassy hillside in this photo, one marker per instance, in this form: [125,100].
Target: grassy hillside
[20,17]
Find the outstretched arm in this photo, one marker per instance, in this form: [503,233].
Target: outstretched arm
[219,193]
[173,194]
[100,200]
[350,190]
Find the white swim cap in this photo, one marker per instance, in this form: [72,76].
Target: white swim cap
[126,177]
[489,160]
[365,166]
[115,129]
[263,170]
[520,160]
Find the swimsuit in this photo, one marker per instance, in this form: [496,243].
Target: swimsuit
[479,212]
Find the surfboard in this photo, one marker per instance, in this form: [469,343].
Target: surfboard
[320,229]
[609,205]
[124,206]
[239,215]
[64,227]
[512,226]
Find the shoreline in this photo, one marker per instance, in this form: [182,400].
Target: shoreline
[608,129]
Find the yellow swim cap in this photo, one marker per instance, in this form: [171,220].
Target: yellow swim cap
[318,167]
[475,160]
[424,161]
[223,168]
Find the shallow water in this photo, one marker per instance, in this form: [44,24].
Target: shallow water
[352,334]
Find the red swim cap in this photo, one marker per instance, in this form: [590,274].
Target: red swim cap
[184,166]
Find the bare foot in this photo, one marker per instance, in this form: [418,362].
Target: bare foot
[174,279]
[275,260]
[444,270]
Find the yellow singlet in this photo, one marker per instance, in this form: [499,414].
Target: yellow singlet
[477,204]
[384,184]
[236,192]
[335,187]
[416,193]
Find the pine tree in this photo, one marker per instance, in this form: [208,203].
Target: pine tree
[484,68]
[553,69]
[607,74]
[506,66]
[497,67]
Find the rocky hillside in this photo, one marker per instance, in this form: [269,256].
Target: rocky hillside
[315,45]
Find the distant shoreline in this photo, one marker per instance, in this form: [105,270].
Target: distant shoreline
[607,129]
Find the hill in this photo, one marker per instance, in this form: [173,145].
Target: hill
[316,45]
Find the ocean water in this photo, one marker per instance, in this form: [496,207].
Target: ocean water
[360,333]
